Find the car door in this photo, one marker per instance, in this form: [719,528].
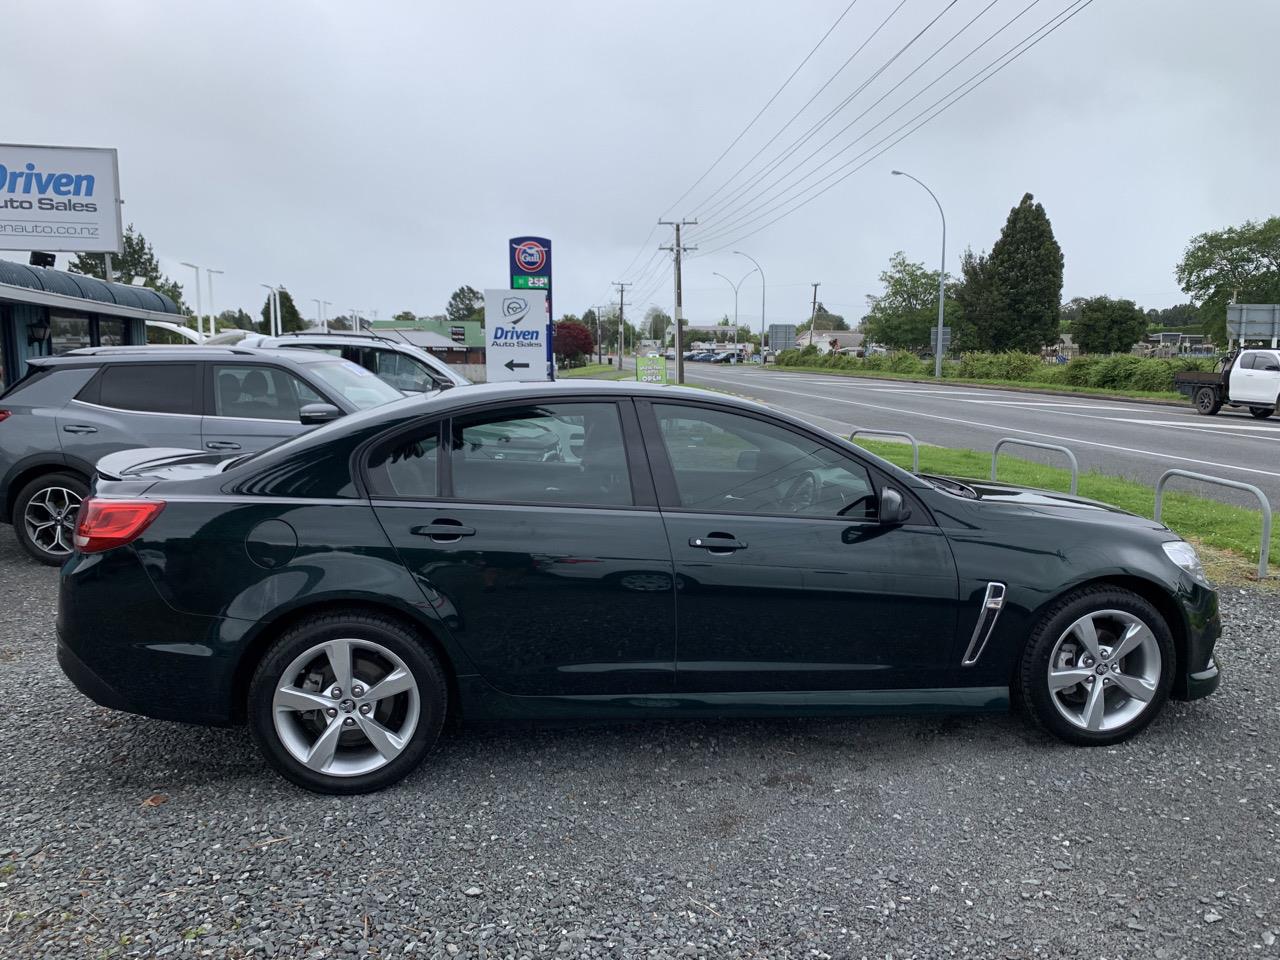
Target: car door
[250,406]
[787,579]
[1242,386]
[1264,385]
[537,537]
[150,404]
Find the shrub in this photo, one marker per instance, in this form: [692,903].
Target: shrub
[1115,372]
[903,362]
[1001,366]
[1079,371]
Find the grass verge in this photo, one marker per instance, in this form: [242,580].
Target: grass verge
[1228,534]
[1027,385]
[597,371]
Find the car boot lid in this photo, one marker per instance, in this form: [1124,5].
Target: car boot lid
[159,463]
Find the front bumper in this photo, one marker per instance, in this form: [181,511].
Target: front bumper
[1199,673]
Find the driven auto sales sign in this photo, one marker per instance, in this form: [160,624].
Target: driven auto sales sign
[515,326]
[59,198]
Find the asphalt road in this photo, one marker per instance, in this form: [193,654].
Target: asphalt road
[1135,440]
[918,837]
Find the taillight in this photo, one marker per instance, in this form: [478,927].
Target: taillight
[5,414]
[104,524]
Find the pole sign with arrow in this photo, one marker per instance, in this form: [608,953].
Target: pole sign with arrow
[515,328]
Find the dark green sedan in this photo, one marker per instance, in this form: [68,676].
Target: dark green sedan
[605,550]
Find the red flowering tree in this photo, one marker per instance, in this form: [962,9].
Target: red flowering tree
[571,341]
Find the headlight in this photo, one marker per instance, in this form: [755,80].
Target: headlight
[1184,555]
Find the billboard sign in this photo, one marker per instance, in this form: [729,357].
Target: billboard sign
[516,336]
[60,198]
[529,263]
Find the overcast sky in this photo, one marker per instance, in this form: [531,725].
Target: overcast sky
[379,155]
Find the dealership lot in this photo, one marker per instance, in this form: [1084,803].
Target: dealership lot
[881,837]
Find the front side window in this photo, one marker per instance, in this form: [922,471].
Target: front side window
[549,453]
[733,463]
[259,392]
[148,387]
[353,383]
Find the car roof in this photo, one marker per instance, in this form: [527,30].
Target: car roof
[161,352]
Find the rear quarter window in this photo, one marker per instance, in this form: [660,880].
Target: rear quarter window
[48,386]
[146,387]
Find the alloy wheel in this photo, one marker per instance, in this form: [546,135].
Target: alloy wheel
[50,520]
[1104,670]
[346,707]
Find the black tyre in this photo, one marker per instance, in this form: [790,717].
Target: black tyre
[1207,401]
[347,702]
[44,516]
[1098,666]
[1260,413]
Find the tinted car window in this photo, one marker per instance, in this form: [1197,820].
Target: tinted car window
[406,465]
[729,462]
[402,371]
[259,392]
[149,387]
[48,385]
[1246,362]
[553,453]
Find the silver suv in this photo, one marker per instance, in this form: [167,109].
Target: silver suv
[408,368]
[70,411]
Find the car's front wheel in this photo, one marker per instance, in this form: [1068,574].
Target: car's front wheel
[1098,666]
[44,516]
[347,703]
[1260,413]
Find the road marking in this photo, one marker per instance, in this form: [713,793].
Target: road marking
[1033,433]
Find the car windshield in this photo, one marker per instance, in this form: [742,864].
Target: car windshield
[353,383]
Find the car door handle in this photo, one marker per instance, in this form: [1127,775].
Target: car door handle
[78,428]
[222,445]
[717,544]
[443,531]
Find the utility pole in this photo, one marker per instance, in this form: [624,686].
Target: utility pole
[678,249]
[622,320]
[599,312]
[813,316]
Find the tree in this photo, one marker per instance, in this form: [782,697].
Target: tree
[233,320]
[1069,313]
[903,315]
[340,322]
[138,260]
[977,302]
[405,318]
[1108,326]
[465,303]
[571,341]
[1016,303]
[658,322]
[1179,315]
[823,319]
[1234,265]
[290,319]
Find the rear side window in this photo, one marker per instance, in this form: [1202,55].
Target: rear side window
[406,465]
[147,387]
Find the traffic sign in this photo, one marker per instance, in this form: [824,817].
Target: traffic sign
[933,338]
[515,334]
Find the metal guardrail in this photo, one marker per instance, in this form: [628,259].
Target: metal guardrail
[1265,547]
[1075,464]
[915,444]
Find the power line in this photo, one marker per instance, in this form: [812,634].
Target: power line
[805,107]
[760,112]
[804,138]
[840,106]
[1064,15]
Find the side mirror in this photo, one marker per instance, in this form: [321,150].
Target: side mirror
[893,509]
[313,414]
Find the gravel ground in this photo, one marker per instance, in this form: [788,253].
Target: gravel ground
[921,837]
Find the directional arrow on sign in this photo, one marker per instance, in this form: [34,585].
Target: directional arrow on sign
[511,365]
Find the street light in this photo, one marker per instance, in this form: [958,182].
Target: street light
[199,309]
[735,301]
[324,309]
[273,310]
[942,273]
[761,269]
[213,313]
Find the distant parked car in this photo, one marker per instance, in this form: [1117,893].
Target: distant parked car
[408,368]
[70,411]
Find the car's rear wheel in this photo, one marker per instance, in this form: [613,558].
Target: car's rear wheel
[44,516]
[1207,401]
[1098,666]
[1261,413]
[347,702]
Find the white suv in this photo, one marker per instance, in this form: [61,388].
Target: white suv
[408,368]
